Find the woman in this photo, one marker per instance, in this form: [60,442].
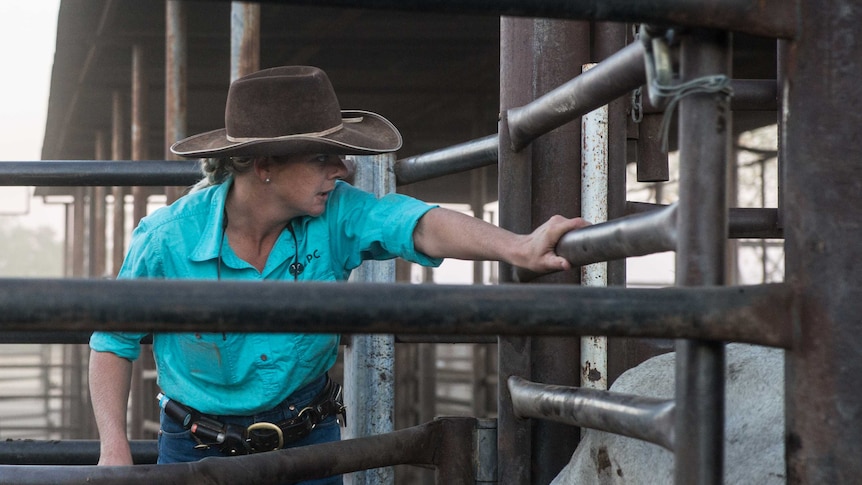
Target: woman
[272,206]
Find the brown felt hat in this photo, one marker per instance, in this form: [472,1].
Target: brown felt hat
[290,109]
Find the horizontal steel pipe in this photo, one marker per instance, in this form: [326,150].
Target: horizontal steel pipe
[748,95]
[417,445]
[68,452]
[86,173]
[455,159]
[743,222]
[645,418]
[634,235]
[607,81]
[753,314]
[84,337]
[767,18]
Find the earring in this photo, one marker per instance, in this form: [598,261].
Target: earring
[267,180]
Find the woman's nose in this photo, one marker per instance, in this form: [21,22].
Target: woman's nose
[343,167]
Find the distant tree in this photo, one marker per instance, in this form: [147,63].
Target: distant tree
[29,253]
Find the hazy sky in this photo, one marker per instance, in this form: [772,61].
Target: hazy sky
[27,36]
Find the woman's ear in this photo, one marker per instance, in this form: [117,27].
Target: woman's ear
[262,167]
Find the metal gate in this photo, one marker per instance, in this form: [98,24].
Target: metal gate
[813,315]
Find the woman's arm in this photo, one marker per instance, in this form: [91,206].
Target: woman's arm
[110,382]
[443,233]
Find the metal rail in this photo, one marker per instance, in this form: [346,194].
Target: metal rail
[769,18]
[608,80]
[645,418]
[753,314]
[445,443]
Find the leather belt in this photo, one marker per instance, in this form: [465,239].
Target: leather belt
[235,439]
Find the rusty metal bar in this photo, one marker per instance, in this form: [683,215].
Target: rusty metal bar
[438,443]
[118,152]
[704,134]
[140,126]
[611,78]
[244,39]
[454,159]
[565,46]
[768,18]
[753,314]
[514,185]
[644,418]
[821,174]
[176,72]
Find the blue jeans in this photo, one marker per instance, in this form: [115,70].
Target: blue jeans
[176,444]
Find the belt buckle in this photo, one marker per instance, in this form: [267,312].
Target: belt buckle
[266,426]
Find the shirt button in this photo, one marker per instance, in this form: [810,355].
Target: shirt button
[263,357]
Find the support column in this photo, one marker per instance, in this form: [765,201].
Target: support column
[140,126]
[534,184]
[244,39]
[821,171]
[176,70]
[704,141]
[369,370]
[118,152]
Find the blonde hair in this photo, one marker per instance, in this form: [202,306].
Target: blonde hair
[217,170]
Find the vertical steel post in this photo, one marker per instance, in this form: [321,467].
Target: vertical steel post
[244,39]
[529,48]
[118,149]
[176,64]
[822,176]
[594,203]
[704,141]
[140,126]
[514,437]
[562,48]
[369,372]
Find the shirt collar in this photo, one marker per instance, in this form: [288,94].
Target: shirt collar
[211,235]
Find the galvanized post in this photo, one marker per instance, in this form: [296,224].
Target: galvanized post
[820,157]
[244,39]
[704,140]
[176,46]
[594,203]
[369,372]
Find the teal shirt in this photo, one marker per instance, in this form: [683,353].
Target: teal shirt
[246,373]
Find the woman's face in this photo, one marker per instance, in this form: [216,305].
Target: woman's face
[304,182]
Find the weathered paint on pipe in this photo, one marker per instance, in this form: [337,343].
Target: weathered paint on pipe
[610,79]
[594,208]
[644,418]
[369,360]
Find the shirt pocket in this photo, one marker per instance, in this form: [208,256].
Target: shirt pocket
[210,358]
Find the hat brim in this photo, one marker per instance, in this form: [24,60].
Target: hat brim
[366,133]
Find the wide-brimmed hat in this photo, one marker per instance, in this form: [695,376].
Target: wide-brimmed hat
[286,110]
